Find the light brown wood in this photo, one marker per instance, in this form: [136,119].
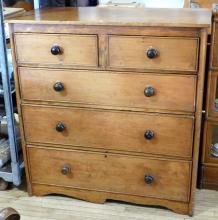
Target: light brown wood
[76,49]
[131,52]
[109,130]
[106,30]
[172,92]
[111,173]
[177,147]
[100,197]
[118,17]
[198,117]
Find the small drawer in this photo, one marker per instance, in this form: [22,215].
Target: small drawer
[164,179]
[153,53]
[58,50]
[122,90]
[120,131]
[211,142]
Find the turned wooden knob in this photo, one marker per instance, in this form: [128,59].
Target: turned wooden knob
[66,169]
[58,86]
[149,179]
[60,127]
[152,53]
[56,50]
[149,91]
[149,134]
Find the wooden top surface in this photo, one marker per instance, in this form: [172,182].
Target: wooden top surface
[118,16]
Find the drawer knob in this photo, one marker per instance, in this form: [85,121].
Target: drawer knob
[60,127]
[56,50]
[152,53]
[58,86]
[149,179]
[66,169]
[149,91]
[149,134]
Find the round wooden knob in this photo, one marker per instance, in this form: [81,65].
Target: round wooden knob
[60,127]
[149,91]
[56,50]
[152,53]
[66,169]
[149,134]
[149,179]
[58,86]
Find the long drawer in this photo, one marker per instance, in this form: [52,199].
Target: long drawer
[153,53]
[143,91]
[115,173]
[57,49]
[122,131]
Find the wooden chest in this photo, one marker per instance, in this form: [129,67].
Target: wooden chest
[110,102]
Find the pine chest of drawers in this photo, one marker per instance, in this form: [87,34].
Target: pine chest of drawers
[110,102]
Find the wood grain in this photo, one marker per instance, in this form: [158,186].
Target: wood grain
[130,52]
[112,173]
[109,130]
[172,92]
[76,49]
[118,16]
[198,116]
[118,132]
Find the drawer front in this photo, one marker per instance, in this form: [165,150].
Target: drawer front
[153,53]
[129,132]
[170,92]
[57,49]
[112,173]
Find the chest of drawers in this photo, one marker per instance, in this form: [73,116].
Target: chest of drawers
[110,102]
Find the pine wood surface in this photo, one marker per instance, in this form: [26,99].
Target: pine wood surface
[172,92]
[118,16]
[184,201]
[110,130]
[129,52]
[110,173]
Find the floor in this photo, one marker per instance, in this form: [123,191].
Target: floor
[64,208]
